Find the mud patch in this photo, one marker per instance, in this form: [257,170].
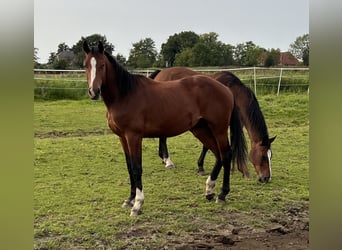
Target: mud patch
[287,230]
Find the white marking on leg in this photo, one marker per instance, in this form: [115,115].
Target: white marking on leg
[139,201]
[210,184]
[269,156]
[168,163]
[92,74]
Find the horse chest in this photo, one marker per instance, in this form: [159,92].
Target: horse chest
[113,125]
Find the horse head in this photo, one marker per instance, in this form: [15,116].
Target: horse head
[261,155]
[95,66]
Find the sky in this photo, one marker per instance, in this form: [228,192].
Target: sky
[267,23]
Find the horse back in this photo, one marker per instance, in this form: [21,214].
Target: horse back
[209,92]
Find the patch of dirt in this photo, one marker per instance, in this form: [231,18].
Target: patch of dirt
[267,239]
[56,134]
[289,230]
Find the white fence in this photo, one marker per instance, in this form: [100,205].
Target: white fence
[250,74]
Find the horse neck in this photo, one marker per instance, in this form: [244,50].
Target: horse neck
[119,83]
[110,91]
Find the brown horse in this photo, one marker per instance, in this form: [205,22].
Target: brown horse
[139,107]
[250,114]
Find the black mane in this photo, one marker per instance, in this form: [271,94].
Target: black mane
[255,115]
[154,74]
[126,81]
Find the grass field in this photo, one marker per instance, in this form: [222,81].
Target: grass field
[81,180]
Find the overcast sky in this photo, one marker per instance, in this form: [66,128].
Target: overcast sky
[268,23]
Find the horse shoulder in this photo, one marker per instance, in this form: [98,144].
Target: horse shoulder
[112,124]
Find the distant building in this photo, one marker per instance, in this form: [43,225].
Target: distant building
[282,59]
[287,59]
[66,55]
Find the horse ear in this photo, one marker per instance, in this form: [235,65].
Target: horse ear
[86,48]
[100,47]
[272,139]
[267,141]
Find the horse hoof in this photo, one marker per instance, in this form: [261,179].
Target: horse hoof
[135,213]
[219,201]
[201,172]
[171,166]
[210,197]
[127,204]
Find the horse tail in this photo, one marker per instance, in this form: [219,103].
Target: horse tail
[238,143]
[154,74]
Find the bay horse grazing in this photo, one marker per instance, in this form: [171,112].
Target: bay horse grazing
[251,117]
[139,107]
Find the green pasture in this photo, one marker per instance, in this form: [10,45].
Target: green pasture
[81,180]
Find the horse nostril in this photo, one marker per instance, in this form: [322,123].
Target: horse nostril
[264,179]
[94,93]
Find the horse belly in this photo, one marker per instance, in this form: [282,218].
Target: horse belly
[171,124]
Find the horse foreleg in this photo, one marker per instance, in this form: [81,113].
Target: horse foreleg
[135,154]
[139,193]
[164,153]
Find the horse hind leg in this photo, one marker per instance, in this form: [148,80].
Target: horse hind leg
[224,153]
[224,159]
[200,162]
[226,162]
[129,202]
[164,153]
[203,133]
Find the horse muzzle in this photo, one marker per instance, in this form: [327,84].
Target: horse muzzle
[264,179]
[94,93]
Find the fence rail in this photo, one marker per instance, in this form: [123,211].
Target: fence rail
[255,77]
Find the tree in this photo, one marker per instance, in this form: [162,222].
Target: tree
[62,47]
[300,48]
[52,58]
[121,59]
[176,44]
[35,58]
[272,58]
[208,51]
[227,51]
[184,58]
[60,64]
[143,54]
[92,41]
[247,54]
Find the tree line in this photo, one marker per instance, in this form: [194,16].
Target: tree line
[183,49]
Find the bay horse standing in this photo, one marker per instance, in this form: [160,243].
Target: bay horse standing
[251,117]
[139,107]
